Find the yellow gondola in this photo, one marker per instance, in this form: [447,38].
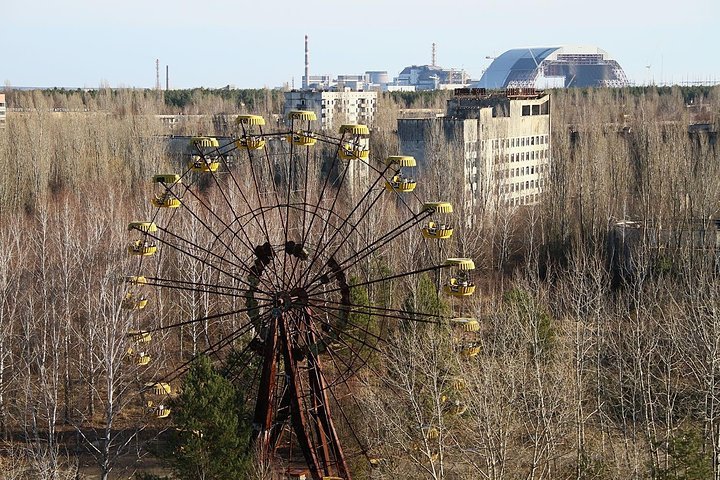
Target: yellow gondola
[159,388]
[308,115]
[354,129]
[437,207]
[466,324]
[204,142]
[401,184]
[165,198]
[303,139]
[142,359]
[352,151]
[401,161]
[250,120]
[134,302]
[139,336]
[142,248]
[250,142]
[459,287]
[438,231]
[145,227]
[201,164]
[161,411]
[136,280]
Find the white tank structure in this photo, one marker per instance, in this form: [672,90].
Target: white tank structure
[553,67]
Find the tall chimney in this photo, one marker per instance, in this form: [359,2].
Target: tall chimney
[306,78]
[433,55]
[157,74]
[167,77]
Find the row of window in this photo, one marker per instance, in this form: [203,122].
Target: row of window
[522,186]
[541,109]
[522,171]
[520,141]
[523,156]
[524,200]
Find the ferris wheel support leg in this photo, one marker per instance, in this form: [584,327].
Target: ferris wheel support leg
[299,420]
[262,420]
[325,426]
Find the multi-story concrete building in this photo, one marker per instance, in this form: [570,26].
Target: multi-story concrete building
[3,110]
[334,108]
[503,139]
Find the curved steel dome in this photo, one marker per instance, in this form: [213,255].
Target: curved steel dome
[553,67]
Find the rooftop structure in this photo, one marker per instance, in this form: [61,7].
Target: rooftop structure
[553,67]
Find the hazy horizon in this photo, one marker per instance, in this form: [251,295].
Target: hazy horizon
[83,44]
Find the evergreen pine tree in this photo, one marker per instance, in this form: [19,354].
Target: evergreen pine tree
[210,443]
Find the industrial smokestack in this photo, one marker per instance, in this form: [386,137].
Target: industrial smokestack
[433,55]
[167,77]
[306,78]
[157,74]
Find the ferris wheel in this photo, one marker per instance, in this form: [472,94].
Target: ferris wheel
[277,245]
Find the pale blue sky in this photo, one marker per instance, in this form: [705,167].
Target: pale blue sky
[212,43]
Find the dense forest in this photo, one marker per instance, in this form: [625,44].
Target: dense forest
[597,355]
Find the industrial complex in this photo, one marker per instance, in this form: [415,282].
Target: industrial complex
[553,67]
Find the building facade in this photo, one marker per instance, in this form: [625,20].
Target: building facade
[503,140]
[334,108]
[3,110]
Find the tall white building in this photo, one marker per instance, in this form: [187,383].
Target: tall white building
[334,108]
[502,139]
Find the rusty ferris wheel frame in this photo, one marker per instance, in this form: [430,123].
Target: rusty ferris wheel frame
[285,231]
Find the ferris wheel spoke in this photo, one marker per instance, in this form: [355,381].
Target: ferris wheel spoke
[208,254]
[321,196]
[191,286]
[226,227]
[357,359]
[380,242]
[335,313]
[392,313]
[383,279]
[213,316]
[210,350]
[345,221]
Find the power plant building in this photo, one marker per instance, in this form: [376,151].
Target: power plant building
[503,140]
[430,77]
[553,67]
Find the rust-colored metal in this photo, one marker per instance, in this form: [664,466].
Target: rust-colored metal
[264,411]
[319,389]
[297,415]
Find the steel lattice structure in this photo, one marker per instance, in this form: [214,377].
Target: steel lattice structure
[266,238]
